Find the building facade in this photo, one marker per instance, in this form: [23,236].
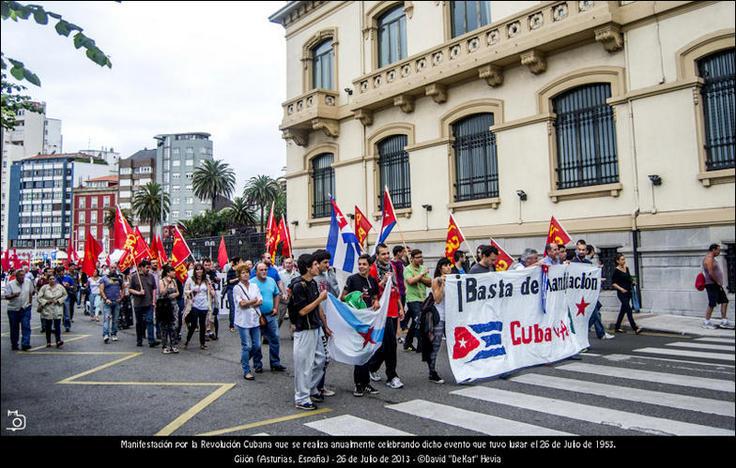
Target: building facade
[177,155]
[41,189]
[94,203]
[34,134]
[108,154]
[133,173]
[615,117]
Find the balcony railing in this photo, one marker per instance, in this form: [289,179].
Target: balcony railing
[315,110]
[525,38]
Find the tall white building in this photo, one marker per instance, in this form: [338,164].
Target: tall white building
[34,134]
[109,155]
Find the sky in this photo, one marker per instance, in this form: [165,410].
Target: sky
[176,67]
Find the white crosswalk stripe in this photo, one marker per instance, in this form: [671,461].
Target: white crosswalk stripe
[648,376]
[478,422]
[713,347]
[716,340]
[627,357]
[348,425]
[672,400]
[686,353]
[594,414]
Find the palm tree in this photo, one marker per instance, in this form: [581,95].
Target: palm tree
[147,204]
[111,213]
[240,214]
[261,191]
[213,178]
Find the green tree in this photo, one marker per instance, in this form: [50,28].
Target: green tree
[261,191]
[110,215]
[12,100]
[205,224]
[147,204]
[213,178]
[240,213]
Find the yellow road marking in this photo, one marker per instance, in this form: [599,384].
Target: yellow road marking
[152,384]
[65,342]
[266,422]
[191,412]
[65,353]
[99,368]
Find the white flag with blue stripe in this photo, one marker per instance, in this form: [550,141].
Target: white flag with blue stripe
[342,243]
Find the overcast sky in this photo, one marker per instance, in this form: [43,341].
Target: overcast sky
[176,67]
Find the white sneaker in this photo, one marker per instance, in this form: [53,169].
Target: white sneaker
[114,337]
[709,325]
[375,377]
[726,323]
[328,392]
[106,339]
[394,383]
[608,336]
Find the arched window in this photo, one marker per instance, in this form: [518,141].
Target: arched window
[476,163]
[469,15]
[717,71]
[394,167]
[323,184]
[391,36]
[322,60]
[586,137]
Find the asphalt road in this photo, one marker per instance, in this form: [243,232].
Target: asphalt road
[90,388]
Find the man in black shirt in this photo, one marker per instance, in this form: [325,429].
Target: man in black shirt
[309,354]
[230,281]
[213,322]
[487,261]
[366,284]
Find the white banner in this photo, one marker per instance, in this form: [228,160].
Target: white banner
[495,322]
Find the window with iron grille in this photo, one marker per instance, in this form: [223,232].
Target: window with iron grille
[731,266]
[719,74]
[586,137]
[322,65]
[469,15]
[323,184]
[392,36]
[607,256]
[476,164]
[394,168]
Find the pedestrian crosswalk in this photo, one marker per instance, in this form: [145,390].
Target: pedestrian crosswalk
[612,393]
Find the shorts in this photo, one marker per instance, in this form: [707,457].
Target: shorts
[716,295]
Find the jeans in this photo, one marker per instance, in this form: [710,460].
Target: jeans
[68,312]
[309,363]
[414,311]
[271,331]
[47,323]
[625,310]
[361,376]
[95,304]
[437,332]
[179,317]
[144,324]
[387,351]
[250,341]
[20,323]
[595,320]
[231,306]
[110,312]
[197,317]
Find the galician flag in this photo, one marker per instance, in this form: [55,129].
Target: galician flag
[342,242]
[388,220]
[357,333]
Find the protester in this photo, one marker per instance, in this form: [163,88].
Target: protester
[381,271]
[581,252]
[247,297]
[562,253]
[269,308]
[111,294]
[166,314]
[126,304]
[553,254]
[199,291]
[430,352]
[66,280]
[417,279]
[231,280]
[458,267]
[529,258]
[368,288]
[213,323]
[95,300]
[19,296]
[714,287]
[287,274]
[622,283]
[51,300]
[487,261]
[326,281]
[309,355]
[143,288]
[397,262]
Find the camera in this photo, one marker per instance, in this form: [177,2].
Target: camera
[17,421]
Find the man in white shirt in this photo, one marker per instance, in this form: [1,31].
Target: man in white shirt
[19,295]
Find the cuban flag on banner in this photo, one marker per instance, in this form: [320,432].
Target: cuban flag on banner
[357,333]
[478,341]
[388,220]
[342,243]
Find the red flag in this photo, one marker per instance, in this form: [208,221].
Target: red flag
[71,253]
[388,220]
[6,260]
[270,234]
[454,239]
[504,260]
[557,234]
[285,238]
[222,253]
[158,251]
[92,251]
[362,226]
[124,240]
[179,253]
[141,248]
[275,240]
[14,260]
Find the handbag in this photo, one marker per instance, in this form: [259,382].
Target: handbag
[261,319]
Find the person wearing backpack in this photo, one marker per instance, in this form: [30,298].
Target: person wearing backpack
[714,287]
[167,309]
[433,335]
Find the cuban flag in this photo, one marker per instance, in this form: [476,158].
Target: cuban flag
[479,341]
[388,219]
[342,243]
[357,333]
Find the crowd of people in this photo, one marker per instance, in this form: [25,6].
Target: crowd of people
[259,297]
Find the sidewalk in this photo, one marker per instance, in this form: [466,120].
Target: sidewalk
[677,324]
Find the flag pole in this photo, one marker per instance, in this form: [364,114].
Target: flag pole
[465,239]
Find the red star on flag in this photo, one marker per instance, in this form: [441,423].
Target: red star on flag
[582,306]
[367,337]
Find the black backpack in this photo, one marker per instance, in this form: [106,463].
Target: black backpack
[290,306]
